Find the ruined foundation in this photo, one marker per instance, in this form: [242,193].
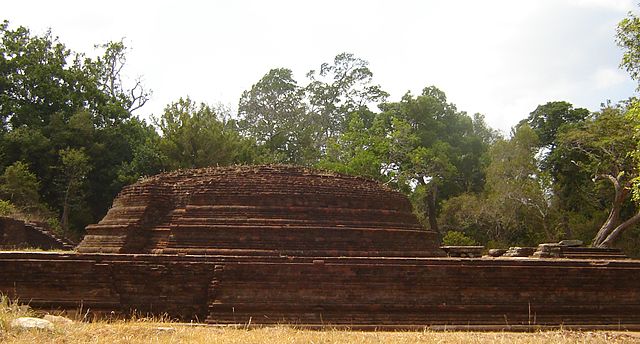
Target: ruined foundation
[260,211]
[272,245]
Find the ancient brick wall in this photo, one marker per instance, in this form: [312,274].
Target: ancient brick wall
[346,291]
[12,233]
[430,291]
[106,283]
[18,234]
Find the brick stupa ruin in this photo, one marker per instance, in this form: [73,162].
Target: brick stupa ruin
[260,210]
[279,244]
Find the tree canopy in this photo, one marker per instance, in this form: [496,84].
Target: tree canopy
[70,139]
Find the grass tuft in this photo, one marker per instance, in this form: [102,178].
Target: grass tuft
[9,310]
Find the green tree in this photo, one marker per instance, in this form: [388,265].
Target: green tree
[52,99]
[195,136]
[361,149]
[147,158]
[338,89]
[514,208]
[605,147]
[548,120]
[75,166]
[274,114]
[568,181]
[20,186]
[39,77]
[455,238]
[515,181]
[433,148]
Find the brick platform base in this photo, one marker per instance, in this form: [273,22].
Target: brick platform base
[392,292]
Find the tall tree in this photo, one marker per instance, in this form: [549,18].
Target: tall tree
[433,148]
[336,90]
[39,77]
[115,101]
[605,148]
[274,114]
[75,166]
[516,183]
[568,181]
[548,120]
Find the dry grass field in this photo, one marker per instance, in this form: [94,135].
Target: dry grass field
[151,332]
[156,331]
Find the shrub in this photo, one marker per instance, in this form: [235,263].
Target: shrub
[19,185]
[6,208]
[455,238]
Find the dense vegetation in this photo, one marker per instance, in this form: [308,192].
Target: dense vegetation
[70,140]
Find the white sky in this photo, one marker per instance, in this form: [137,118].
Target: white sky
[499,58]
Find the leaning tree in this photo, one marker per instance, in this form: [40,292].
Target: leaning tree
[603,146]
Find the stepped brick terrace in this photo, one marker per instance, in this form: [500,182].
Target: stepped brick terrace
[260,210]
[281,244]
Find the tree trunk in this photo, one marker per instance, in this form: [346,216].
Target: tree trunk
[619,229]
[431,208]
[613,220]
[65,210]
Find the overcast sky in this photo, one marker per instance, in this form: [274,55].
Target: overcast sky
[499,58]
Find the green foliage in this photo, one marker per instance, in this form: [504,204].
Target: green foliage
[53,99]
[295,124]
[338,89]
[69,141]
[20,186]
[604,143]
[548,120]
[628,38]
[634,116]
[36,78]
[603,150]
[195,136]
[433,147]
[515,206]
[455,238]
[6,208]
[75,164]
[360,150]
[147,158]
[75,167]
[274,114]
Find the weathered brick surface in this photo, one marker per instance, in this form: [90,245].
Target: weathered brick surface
[260,210]
[347,291]
[16,233]
[428,291]
[12,232]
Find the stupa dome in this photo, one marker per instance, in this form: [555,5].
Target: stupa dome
[260,210]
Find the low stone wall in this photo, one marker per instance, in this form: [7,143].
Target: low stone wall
[19,234]
[322,291]
[12,232]
[427,291]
